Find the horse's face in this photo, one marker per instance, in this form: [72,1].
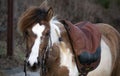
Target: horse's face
[36,34]
[36,40]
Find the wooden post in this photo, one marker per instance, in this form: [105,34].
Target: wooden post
[10,29]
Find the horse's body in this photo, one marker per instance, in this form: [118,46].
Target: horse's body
[109,65]
[49,45]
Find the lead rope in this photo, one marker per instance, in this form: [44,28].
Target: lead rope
[25,67]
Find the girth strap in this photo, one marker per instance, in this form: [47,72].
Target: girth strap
[65,25]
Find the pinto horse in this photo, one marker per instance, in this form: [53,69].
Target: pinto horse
[48,45]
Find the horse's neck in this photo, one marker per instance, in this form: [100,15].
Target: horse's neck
[65,55]
[54,31]
[58,31]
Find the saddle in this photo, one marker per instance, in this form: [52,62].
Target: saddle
[85,39]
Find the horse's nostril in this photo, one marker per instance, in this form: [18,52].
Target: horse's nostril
[34,64]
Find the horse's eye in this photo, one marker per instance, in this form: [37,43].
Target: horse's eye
[26,34]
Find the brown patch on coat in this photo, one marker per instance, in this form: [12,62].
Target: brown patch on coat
[53,63]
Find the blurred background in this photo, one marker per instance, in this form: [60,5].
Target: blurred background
[96,11]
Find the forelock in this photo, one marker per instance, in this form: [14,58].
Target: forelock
[30,17]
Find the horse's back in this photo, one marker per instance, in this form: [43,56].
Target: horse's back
[112,38]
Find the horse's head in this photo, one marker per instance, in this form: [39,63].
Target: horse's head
[47,42]
[34,25]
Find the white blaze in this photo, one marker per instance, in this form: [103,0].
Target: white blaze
[37,30]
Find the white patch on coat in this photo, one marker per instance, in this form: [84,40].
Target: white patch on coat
[67,61]
[37,30]
[54,30]
[105,66]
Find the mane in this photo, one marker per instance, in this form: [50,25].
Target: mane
[30,17]
[54,29]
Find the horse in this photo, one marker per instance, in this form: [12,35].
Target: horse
[48,46]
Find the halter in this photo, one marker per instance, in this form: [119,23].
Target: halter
[42,59]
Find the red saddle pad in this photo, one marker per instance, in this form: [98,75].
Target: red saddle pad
[84,36]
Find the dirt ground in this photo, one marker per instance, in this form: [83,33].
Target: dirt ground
[18,71]
[13,67]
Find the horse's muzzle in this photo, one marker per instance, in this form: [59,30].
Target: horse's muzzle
[34,67]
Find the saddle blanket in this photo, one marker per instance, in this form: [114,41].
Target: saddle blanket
[85,39]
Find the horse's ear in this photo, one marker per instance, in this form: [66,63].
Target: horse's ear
[49,10]
[50,13]
[44,5]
